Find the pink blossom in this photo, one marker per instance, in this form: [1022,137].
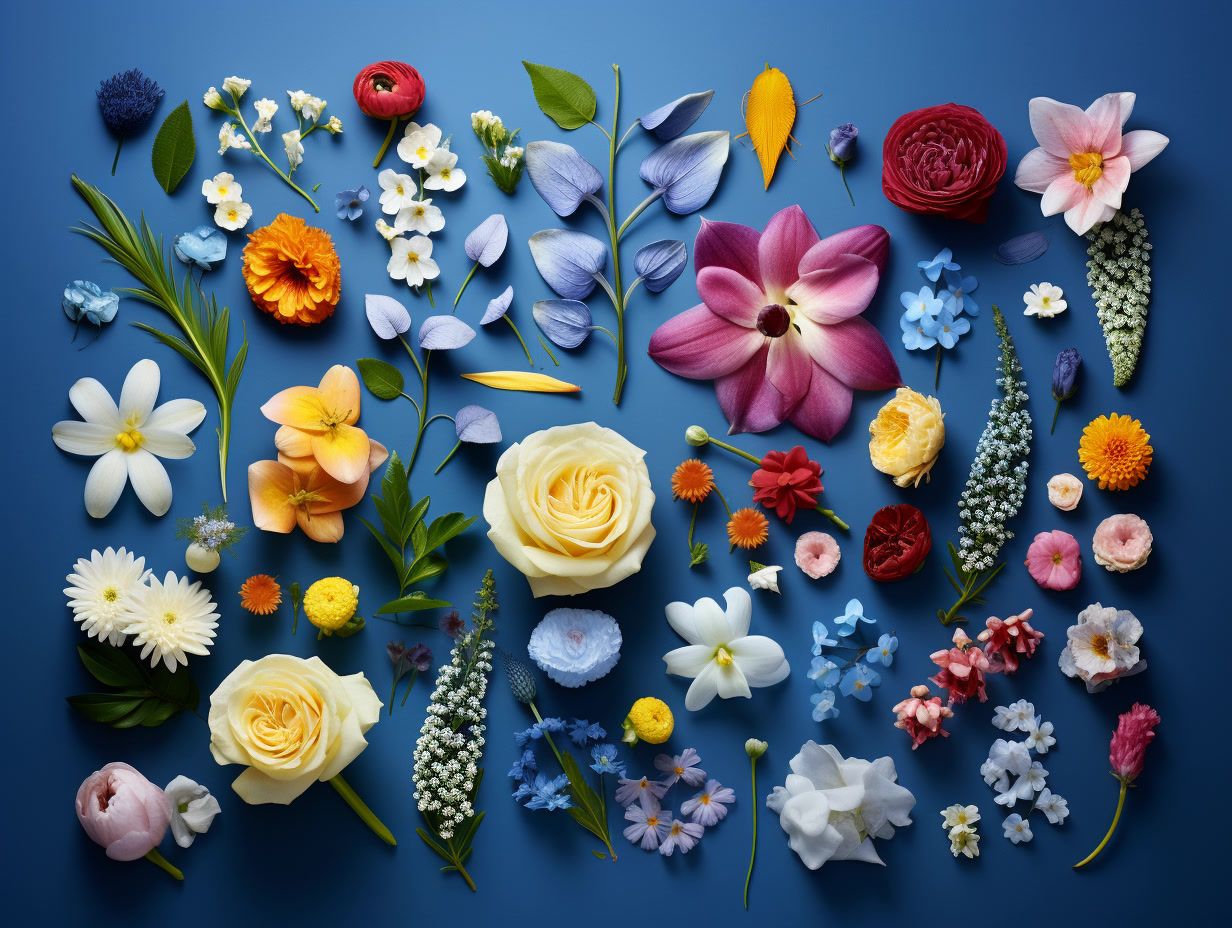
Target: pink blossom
[1122,543]
[1005,642]
[817,554]
[1135,730]
[1054,560]
[123,811]
[1083,164]
[962,669]
[779,327]
[921,716]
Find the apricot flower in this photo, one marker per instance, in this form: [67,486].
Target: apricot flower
[283,497]
[327,415]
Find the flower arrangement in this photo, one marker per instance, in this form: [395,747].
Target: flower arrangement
[1115,452]
[907,436]
[1015,774]
[931,320]
[852,674]
[503,159]
[896,543]
[575,646]
[1102,647]
[292,271]
[1119,275]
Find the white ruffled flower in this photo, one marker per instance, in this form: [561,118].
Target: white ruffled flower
[412,260]
[443,173]
[266,108]
[213,99]
[1017,829]
[313,107]
[170,619]
[221,188]
[298,99]
[294,148]
[482,120]
[419,144]
[511,156]
[387,232]
[1017,716]
[959,815]
[1102,647]
[232,215]
[397,192]
[575,646]
[1044,300]
[1039,736]
[765,578]
[333,126]
[192,809]
[421,217]
[964,841]
[236,85]
[99,590]
[1054,807]
[229,138]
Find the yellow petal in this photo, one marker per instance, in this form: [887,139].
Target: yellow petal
[377,454]
[324,527]
[340,392]
[298,407]
[521,380]
[769,115]
[302,465]
[293,442]
[342,452]
[270,486]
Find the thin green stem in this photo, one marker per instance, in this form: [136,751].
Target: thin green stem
[544,346]
[409,686]
[154,857]
[448,457]
[114,162]
[1056,412]
[842,173]
[462,289]
[260,153]
[752,851]
[723,500]
[360,808]
[393,693]
[734,450]
[622,369]
[629,292]
[833,517]
[692,525]
[389,137]
[1116,820]
[422,406]
[521,341]
[637,211]
[608,332]
[628,132]
[937,370]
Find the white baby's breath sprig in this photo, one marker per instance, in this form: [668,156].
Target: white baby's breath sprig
[1119,275]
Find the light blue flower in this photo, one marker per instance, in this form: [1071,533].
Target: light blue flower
[922,305]
[387,316]
[915,338]
[946,329]
[203,247]
[824,671]
[944,261]
[821,637]
[671,119]
[561,175]
[476,425]
[86,300]
[604,757]
[350,203]
[486,242]
[958,294]
[576,646]
[883,653]
[444,333]
[566,323]
[582,732]
[524,767]
[823,706]
[571,263]
[859,682]
[686,171]
[548,795]
[658,264]
[851,619]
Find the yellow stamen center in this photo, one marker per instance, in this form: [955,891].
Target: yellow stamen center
[723,657]
[300,499]
[1088,167]
[111,594]
[129,440]
[705,799]
[1099,644]
[169,618]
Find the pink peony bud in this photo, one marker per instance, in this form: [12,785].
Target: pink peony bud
[1135,730]
[123,811]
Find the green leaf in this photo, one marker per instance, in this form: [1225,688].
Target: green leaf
[427,839]
[109,665]
[383,380]
[416,602]
[104,708]
[447,527]
[699,554]
[394,555]
[174,149]
[564,97]
[427,567]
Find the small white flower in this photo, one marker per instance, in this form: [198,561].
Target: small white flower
[192,809]
[1017,829]
[419,144]
[1035,777]
[1039,736]
[412,260]
[298,99]
[485,119]
[294,147]
[1054,807]
[965,841]
[1016,716]
[221,188]
[99,590]
[397,192]
[420,217]
[236,85]
[765,578]
[442,173]
[232,215]
[1010,756]
[171,618]
[266,108]
[1044,300]
[229,138]
[995,776]
[313,107]
[959,815]
[334,126]
[388,232]
[512,155]
[213,99]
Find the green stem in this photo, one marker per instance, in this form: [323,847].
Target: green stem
[393,693]
[752,851]
[1056,412]
[114,162]
[692,523]
[723,500]
[410,684]
[545,347]
[637,211]
[734,450]
[361,809]
[833,517]
[224,442]
[1116,820]
[154,857]
[842,173]
[422,407]
[462,289]
[448,457]
[521,341]
[260,153]
[937,370]
[622,369]
[389,137]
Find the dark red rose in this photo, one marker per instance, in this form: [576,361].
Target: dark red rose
[389,90]
[942,160]
[896,543]
[785,482]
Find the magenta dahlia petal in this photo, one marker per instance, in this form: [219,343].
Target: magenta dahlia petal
[787,238]
[871,242]
[701,346]
[825,408]
[730,294]
[854,352]
[838,292]
[789,368]
[727,244]
[747,398]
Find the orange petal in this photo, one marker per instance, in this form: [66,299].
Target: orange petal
[378,454]
[300,407]
[770,113]
[339,392]
[342,452]
[325,527]
[270,486]
[293,442]
[301,465]
[332,495]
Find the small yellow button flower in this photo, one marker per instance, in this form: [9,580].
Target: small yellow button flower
[330,603]
[649,720]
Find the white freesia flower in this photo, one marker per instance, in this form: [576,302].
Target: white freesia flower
[412,260]
[721,657]
[213,99]
[266,108]
[1017,716]
[419,144]
[128,438]
[511,156]
[833,807]
[442,173]
[387,232]
[192,809]
[1054,807]
[232,215]
[236,85]
[221,188]
[765,578]
[170,619]
[1039,736]
[294,148]
[99,591]
[397,192]
[333,126]
[1044,300]
[420,217]
[228,138]
[298,99]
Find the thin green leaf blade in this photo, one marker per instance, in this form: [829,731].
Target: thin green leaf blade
[564,97]
[174,148]
[104,708]
[413,603]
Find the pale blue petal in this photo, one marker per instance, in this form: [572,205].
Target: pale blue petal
[660,263]
[487,242]
[477,425]
[669,121]
[561,175]
[498,306]
[568,261]
[444,333]
[203,247]
[687,170]
[386,315]
[566,323]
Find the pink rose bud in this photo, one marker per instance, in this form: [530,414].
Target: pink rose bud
[123,811]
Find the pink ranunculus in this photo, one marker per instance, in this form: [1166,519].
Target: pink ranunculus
[779,329]
[123,811]
[817,554]
[921,716]
[962,669]
[1083,162]
[1054,560]
[1122,543]
[1007,641]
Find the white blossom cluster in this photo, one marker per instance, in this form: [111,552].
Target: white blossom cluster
[1119,275]
[451,740]
[997,483]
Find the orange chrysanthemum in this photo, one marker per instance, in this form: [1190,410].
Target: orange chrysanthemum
[260,594]
[292,271]
[692,480]
[1115,451]
[748,528]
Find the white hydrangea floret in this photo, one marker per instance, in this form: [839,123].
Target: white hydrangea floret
[575,646]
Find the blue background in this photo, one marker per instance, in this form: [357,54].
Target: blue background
[314,863]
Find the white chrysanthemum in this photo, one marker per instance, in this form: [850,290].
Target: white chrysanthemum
[170,619]
[575,646]
[100,590]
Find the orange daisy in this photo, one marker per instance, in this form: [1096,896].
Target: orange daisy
[1115,451]
[292,271]
[692,480]
[747,528]
[260,594]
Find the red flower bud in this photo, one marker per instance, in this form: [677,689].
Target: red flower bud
[389,90]
[896,543]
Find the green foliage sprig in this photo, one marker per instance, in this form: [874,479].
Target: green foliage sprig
[136,694]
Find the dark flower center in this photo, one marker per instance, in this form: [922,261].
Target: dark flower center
[773,320]
[383,83]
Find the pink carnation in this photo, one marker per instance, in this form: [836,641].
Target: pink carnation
[1122,543]
[1005,642]
[1054,560]
[817,554]
[921,716]
[1135,730]
[962,669]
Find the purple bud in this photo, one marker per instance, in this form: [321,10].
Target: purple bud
[843,143]
[1065,374]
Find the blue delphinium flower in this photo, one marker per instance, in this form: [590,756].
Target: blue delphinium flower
[524,767]
[958,294]
[946,329]
[824,671]
[583,732]
[1064,379]
[823,706]
[821,638]
[203,247]
[547,793]
[851,618]
[86,300]
[350,203]
[859,682]
[604,757]
[549,725]
[914,336]
[883,652]
[944,261]
[920,306]
[127,102]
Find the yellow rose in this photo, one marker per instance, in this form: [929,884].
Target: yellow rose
[907,436]
[570,508]
[292,722]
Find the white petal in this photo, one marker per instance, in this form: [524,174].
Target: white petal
[739,610]
[703,689]
[176,416]
[701,623]
[165,444]
[731,682]
[150,481]
[93,403]
[140,390]
[105,483]
[760,659]
[688,661]
[83,437]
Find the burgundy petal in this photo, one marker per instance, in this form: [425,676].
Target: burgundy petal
[871,242]
[729,294]
[748,400]
[838,292]
[787,238]
[727,244]
[702,346]
[825,408]
[854,352]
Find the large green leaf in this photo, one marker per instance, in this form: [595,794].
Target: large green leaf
[447,527]
[109,665]
[383,380]
[174,151]
[105,708]
[564,97]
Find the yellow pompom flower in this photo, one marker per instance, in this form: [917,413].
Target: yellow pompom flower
[330,603]
[1115,451]
[649,720]
[907,436]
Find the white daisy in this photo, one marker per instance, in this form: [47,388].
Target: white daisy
[420,217]
[170,619]
[99,591]
[397,191]
[419,144]
[232,215]
[443,173]
[412,260]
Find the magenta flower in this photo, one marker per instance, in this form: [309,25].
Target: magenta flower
[1054,560]
[779,328]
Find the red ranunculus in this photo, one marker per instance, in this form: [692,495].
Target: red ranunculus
[896,543]
[389,90]
[943,160]
[785,482]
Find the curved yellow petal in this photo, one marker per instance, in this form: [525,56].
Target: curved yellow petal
[270,485]
[342,452]
[299,407]
[325,527]
[293,442]
[770,113]
[339,392]
[521,380]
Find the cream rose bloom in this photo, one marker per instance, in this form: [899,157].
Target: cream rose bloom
[292,722]
[907,436]
[570,508]
[1064,491]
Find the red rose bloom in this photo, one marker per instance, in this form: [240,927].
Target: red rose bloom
[896,543]
[389,90]
[942,160]
[785,482]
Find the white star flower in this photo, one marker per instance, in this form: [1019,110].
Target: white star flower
[232,215]
[170,619]
[419,144]
[397,192]
[221,188]
[412,260]
[99,591]
[1039,736]
[1044,300]
[420,217]
[442,173]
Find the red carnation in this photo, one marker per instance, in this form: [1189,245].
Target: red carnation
[389,90]
[785,482]
[896,543]
[943,160]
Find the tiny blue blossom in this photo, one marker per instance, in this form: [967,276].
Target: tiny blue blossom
[547,793]
[524,767]
[958,294]
[821,637]
[944,261]
[824,671]
[84,299]
[883,652]
[915,338]
[823,706]
[350,203]
[946,329]
[922,305]
[859,682]
[851,619]
[582,732]
[604,757]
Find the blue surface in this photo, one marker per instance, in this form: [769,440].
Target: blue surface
[314,863]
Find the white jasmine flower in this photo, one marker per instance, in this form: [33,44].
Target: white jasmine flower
[412,260]
[388,232]
[221,188]
[512,155]
[298,99]
[964,841]
[232,215]
[266,108]
[995,776]
[421,217]
[313,107]
[1039,736]
[485,119]
[170,619]
[397,191]
[1035,777]
[213,99]
[236,85]
[99,591]
[765,578]
[1054,807]
[442,173]
[1017,716]
[958,815]
[192,809]
[419,144]
[294,147]
[334,126]
[229,138]
[1044,300]
[1017,829]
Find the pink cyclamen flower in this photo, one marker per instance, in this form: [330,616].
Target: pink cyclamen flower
[1054,560]
[921,716]
[1009,640]
[1135,730]
[1122,543]
[962,669]
[779,327]
[123,811]
[1083,164]
[817,554]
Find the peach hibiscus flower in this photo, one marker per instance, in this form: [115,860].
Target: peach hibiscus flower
[326,415]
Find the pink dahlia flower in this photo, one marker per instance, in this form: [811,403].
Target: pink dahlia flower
[779,327]
[1054,560]
[1083,162]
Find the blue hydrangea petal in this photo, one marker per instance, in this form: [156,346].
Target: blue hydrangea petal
[687,170]
[487,241]
[671,119]
[660,263]
[561,175]
[568,261]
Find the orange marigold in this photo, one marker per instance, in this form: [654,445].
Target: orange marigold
[748,528]
[292,271]
[692,480]
[260,594]
[1115,451]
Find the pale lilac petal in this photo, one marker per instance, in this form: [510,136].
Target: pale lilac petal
[854,352]
[561,175]
[747,399]
[660,263]
[1141,145]
[825,408]
[1112,182]
[871,242]
[672,119]
[487,241]
[787,237]
[568,261]
[1038,169]
[727,244]
[477,425]
[841,291]
[444,333]
[566,323]
[789,368]
[731,295]
[1063,194]
[687,170]
[701,346]
[386,315]
[498,306]
[1108,114]
[1060,128]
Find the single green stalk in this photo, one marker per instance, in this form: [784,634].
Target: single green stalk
[622,370]
[937,370]
[114,163]
[422,406]
[409,686]
[462,289]
[260,153]
[748,878]
[154,857]
[1056,412]
[828,513]
[1116,820]
[448,457]
[389,137]
[361,809]
[842,173]
[544,346]
[521,341]
[972,586]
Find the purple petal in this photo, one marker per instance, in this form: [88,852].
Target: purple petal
[731,295]
[477,425]
[729,245]
[687,170]
[854,352]
[498,306]
[748,400]
[783,244]
[660,263]
[669,121]
[566,323]
[871,242]
[487,242]
[839,292]
[702,346]
[386,315]
[825,408]
[561,175]
[1022,249]
[568,261]
[444,333]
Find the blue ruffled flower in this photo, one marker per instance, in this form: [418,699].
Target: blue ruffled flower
[127,101]
[524,767]
[86,300]
[575,646]
[823,706]
[203,247]
[604,757]
[350,203]
[821,637]
[859,682]
[583,732]
[824,671]
[851,618]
